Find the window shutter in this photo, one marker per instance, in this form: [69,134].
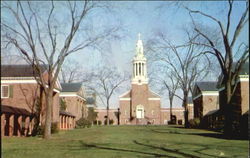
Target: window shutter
[11,91]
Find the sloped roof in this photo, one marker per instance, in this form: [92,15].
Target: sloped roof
[152,94]
[212,112]
[244,69]
[207,86]
[71,87]
[126,94]
[66,113]
[19,70]
[14,110]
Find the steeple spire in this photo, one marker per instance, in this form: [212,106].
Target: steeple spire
[139,64]
[139,46]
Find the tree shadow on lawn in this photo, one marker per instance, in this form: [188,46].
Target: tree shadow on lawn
[209,133]
[168,151]
[201,151]
[96,146]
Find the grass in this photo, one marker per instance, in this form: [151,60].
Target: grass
[126,142]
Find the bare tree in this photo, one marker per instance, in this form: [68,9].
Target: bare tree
[106,82]
[171,85]
[185,65]
[71,71]
[167,82]
[229,36]
[34,29]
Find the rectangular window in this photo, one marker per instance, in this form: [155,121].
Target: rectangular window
[5,91]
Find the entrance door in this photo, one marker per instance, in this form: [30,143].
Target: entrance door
[139,111]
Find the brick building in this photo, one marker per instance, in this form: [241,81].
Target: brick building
[205,98]
[140,105]
[72,96]
[240,101]
[23,100]
[102,116]
[178,114]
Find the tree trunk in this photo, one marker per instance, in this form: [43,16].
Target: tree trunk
[185,96]
[49,103]
[228,113]
[107,112]
[171,110]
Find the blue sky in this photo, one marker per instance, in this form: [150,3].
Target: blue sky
[145,17]
[148,17]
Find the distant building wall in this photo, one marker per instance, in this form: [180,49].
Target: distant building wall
[102,113]
[165,115]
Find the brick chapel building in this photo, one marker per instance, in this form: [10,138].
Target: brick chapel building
[140,105]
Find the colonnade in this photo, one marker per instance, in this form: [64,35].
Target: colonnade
[67,122]
[16,125]
[139,69]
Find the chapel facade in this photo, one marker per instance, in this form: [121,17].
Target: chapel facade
[140,105]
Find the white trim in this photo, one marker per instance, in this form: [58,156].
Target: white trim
[244,76]
[8,91]
[17,78]
[205,93]
[221,89]
[194,98]
[155,93]
[18,81]
[190,104]
[70,94]
[125,98]
[164,110]
[56,90]
[244,79]
[154,98]
[124,93]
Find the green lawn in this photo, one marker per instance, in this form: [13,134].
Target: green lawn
[125,142]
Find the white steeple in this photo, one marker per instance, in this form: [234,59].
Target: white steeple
[139,46]
[139,64]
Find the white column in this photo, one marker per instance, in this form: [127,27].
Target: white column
[142,69]
[137,69]
[134,70]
